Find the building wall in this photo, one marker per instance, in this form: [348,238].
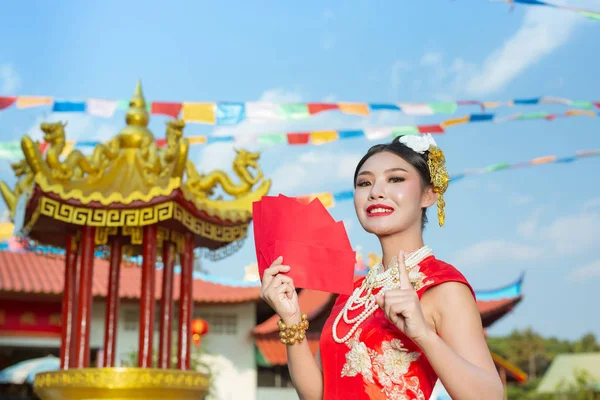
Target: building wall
[276,394]
[228,347]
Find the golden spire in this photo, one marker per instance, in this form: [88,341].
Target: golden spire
[137,121]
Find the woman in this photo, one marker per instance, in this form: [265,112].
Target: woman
[413,318]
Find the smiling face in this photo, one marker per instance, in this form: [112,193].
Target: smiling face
[390,195]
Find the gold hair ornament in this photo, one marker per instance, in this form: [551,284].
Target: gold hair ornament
[439,179]
[437,167]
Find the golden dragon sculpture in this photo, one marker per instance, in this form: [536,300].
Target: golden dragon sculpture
[205,184]
[24,184]
[75,165]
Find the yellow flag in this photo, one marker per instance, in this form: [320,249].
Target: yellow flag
[455,121]
[33,101]
[354,108]
[323,137]
[203,113]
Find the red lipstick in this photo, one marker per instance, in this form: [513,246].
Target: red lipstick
[379,210]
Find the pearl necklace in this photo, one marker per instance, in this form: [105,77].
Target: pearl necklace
[363,296]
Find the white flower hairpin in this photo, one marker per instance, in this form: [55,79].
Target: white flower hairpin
[420,143]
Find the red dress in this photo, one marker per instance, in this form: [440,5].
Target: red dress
[379,361]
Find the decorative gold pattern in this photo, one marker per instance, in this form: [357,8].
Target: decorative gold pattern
[179,239]
[137,217]
[439,178]
[102,234]
[162,234]
[121,384]
[136,233]
[388,367]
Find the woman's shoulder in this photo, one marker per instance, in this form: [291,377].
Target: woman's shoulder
[436,272]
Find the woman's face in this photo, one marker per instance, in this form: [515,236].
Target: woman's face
[389,195]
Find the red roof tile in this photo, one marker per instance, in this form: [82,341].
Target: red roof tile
[275,353]
[32,273]
[311,303]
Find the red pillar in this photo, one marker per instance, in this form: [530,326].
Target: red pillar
[186,303]
[147,300]
[75,306]
[112,304]
[68,303]
[84,314]
[166,307]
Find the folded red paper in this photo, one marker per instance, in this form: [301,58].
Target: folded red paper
[312,243]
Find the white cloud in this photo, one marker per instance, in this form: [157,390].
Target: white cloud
[497,251]
[574,234]
[542,31]
[309,167]
[529,227]
[571,235]
[214,156]
[586,272]
[431,58]
[9,79]
[590,205]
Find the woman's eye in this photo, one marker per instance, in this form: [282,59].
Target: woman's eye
[362,183]
[396,179]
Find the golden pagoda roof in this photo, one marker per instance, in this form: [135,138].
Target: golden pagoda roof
[131,172]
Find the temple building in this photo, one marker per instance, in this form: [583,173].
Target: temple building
[242,345]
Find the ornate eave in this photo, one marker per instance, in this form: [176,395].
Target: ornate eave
[48,216]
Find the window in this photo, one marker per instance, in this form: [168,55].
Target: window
[277,377]
[132,320]
[220,323]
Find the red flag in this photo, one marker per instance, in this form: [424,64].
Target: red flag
[315,108]
[6,102]
[430,129]
[170,109]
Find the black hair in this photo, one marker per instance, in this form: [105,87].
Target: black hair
[417,160]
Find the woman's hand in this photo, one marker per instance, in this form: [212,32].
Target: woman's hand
[279,292]
[402,306]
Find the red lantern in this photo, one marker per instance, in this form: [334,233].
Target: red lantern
[199,329]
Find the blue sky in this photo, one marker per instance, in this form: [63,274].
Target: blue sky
[544,220]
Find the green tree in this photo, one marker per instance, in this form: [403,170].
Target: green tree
[526,350]
[584,387]
[586,344]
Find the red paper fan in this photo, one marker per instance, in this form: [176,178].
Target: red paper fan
[312,243]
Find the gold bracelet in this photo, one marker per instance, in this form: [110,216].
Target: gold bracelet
[295,333]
